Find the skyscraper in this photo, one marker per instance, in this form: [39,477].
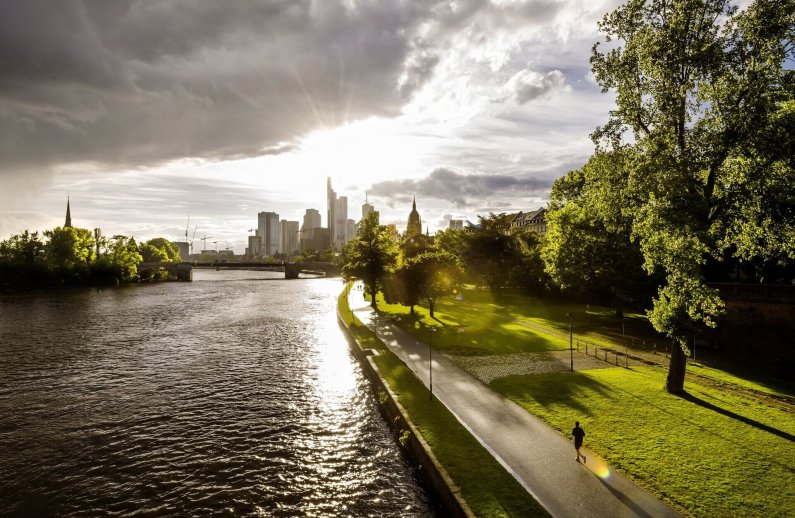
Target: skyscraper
[268,230]
[366,207]
[331,201]
[308,234]
[341,222]
[288,243]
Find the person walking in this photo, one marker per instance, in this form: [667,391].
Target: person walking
[578,434]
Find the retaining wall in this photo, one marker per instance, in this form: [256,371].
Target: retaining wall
[445,492]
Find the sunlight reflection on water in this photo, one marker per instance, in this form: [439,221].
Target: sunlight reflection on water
[230,394]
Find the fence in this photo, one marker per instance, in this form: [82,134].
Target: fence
[607,353]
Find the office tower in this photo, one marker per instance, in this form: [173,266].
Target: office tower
[341,223]
[268,230]
[331,201]
[288,244]
[311,222]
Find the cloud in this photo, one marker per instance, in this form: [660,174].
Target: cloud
[462,190]
[142,82]
[528,85]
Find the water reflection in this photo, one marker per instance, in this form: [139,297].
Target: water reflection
[226,394]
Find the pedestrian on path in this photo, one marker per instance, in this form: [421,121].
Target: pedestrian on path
[578,434]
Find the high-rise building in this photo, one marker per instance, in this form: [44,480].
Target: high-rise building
[341,223]
[456,224]
[254,246]
[331,201]
[288,244]
[184,249]
[268,231]
[311,222]
[366,207]
[350,229]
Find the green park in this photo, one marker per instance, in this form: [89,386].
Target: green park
[617,314]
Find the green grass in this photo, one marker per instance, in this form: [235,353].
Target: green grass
[716,452]
[476,324]
[485,485]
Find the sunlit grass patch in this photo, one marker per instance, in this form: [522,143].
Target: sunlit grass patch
[715,452]
[475,323]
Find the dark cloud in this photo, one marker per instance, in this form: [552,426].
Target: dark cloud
[138,82]
[463,190]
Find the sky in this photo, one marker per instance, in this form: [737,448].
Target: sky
[148,112]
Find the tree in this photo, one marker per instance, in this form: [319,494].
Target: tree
[491,252]
[69,248]
[369,255]
[709,169]
[588,247]
[123,251]
[160,250]
[438,274]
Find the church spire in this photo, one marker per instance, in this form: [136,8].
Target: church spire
[414,203]
[68,222]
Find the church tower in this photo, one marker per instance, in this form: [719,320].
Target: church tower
[414,227]
[68,222]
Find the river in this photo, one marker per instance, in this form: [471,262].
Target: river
[235,394]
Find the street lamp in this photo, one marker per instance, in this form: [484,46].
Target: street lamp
[571,345]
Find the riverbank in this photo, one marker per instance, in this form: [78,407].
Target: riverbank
[475,477]
[725,448]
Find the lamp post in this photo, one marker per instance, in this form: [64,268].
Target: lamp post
[571,344]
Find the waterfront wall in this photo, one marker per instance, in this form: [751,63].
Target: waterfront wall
[444,490]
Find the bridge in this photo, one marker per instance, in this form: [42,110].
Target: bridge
[291,270]
[182,271]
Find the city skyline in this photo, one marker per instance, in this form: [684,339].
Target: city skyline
[473,107]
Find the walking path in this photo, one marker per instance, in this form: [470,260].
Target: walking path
[540,458]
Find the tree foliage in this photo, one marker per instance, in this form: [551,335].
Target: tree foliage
[160,250]
[704,120]
[370,255]
[588,249]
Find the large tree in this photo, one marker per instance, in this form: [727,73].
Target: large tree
[588,249]
[369,255]
[707,97]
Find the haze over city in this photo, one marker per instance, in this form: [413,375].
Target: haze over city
[147,112]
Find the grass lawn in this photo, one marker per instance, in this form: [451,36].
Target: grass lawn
[485,485]
[720,451]
[476,324]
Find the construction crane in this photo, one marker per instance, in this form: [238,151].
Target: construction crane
[205,238]
[193,237]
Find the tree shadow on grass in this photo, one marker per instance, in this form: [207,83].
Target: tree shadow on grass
[567,389]
[728,413]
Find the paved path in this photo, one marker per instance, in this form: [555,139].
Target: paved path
[541,459]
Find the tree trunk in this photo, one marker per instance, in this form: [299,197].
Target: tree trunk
[372,294]
[675,383]
[430,307]
[412,311]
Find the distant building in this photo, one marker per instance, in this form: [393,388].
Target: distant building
[68,222]
[184,249]
[414,227]
[351,230]
[288,243]
[311,222]
[366,208]
[268,230]
[337,218]
[341,223]
[254,246]
[456,224]
[534,220]
[315,239]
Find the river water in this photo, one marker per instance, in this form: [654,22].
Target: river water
[232,395]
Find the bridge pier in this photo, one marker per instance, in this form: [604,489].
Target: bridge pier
[291,270]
